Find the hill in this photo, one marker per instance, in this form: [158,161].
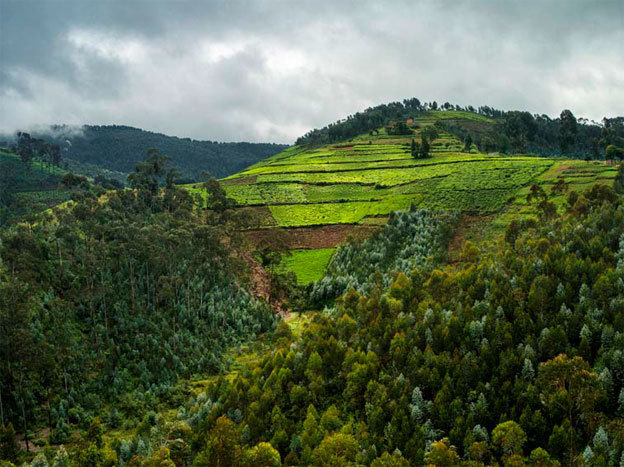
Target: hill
[323,194]
[473,311]
[118,148]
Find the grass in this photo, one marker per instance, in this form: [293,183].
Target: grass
[308,265]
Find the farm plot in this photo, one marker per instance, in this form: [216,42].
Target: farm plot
[308,265]
[383,177]
[266,193]
[338,213]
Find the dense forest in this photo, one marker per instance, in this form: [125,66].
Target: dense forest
[513,357]
[91,312]
[118,148]
[501,131]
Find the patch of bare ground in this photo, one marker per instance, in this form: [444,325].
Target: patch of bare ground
[324,236]
[41,435]
[260,285]
[468,228]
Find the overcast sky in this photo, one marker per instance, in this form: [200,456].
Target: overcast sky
[270,71]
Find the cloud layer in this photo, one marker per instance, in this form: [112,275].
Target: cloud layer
[272,70]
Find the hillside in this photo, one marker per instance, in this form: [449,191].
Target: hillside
[323,194]
[28,188]
[118,148]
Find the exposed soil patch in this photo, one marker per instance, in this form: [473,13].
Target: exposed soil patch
[467,227]
[324,236]
[261,285]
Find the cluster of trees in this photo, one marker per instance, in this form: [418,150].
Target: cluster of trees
[522,132]
[28,148]
[514,357]
[410,239]
[509,132]
[118,148]
[370,120]
[114,297]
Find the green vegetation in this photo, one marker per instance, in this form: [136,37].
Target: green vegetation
[470,306]
[512,357]
[27,187]
[118,148]
[429,167]
[92,315]
[308,265]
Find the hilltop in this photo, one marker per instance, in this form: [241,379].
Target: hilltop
[321,194]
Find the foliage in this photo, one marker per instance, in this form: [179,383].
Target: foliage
[407,241]
[118,148]
[456,365]
[112,301]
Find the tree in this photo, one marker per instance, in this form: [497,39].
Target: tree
[147,174]
[569,385]
[216,197]
[415,147]
[468,143]
[567,130]
[262,455]
[441,453]
[509,437]
[223,446]
[612,152]
[335,449]
[424,148]
[9,449]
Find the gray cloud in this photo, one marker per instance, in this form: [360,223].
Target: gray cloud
[271,70]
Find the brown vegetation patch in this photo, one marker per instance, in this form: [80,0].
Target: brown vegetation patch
[324,236]
[240,181]
[468,228]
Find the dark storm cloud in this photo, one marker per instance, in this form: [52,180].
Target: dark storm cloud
[269,71]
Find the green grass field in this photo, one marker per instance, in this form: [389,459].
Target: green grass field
[308,265]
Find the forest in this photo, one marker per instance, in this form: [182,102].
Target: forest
[118,148]
[511,356]
[90,313]
[492,130]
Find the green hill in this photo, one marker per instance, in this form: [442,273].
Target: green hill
[323,193]
[118,148]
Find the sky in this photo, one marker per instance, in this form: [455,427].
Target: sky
[269,71]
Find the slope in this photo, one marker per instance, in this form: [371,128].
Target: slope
[323,194]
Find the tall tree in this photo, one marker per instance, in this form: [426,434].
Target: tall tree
[567,130]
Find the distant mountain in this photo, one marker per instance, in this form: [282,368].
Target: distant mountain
[119,148]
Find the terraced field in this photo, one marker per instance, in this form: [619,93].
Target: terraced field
[361,181]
